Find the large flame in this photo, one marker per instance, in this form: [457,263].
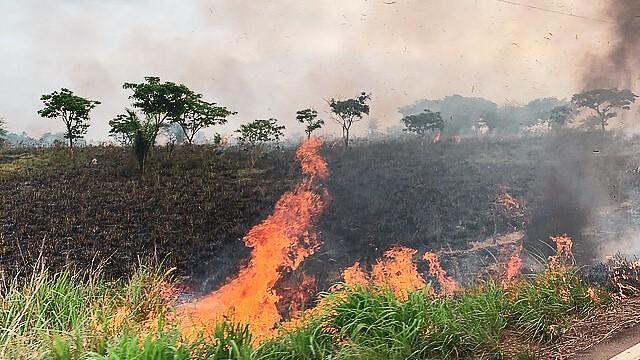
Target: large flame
[354,275]
[397,272]
[280,243]
[447,284]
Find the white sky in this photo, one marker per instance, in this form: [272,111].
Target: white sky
[271,58]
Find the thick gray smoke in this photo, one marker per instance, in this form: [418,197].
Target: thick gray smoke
[571,186]
[620,65]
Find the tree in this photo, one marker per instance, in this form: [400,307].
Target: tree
[134,132]
[260,131]
[3,132]
[309,117]
[124,127]
[199,114]
[73,110]
[424,122]
[604,102]
[160,102]
[349,111]
[561,115]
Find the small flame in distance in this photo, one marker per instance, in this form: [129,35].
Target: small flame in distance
[514,266]
[563,250]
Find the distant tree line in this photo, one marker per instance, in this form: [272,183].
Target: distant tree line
[464,114]
[182,113]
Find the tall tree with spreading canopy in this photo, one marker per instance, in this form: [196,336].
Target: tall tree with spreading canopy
[424,122]
[309,117]
[160,102]
[349,111]
[198,114]
[605,102]
[72,109]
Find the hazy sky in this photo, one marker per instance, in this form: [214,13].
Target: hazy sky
[271,58]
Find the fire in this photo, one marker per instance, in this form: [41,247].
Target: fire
[514,266]
[354,275]
[436,139]
[510,206]
[280,243]
[563,250]
[447,284]
[398,272]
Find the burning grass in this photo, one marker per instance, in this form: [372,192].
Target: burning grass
[73,316]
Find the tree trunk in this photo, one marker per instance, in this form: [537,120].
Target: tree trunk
[346,138]
[70,136]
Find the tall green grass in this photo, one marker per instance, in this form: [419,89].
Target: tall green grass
[80,316]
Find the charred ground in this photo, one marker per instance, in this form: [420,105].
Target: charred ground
[193,207]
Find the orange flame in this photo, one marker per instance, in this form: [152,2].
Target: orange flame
[510,205]
[398,272]
[354,275]
[514,266]
[563,250]
[436,139]
[280,243]
[447,284]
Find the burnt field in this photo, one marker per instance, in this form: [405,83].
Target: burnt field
[193,206]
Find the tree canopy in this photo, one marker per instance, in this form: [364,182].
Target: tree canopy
[160,102]
[561,115]
[309,117]
[135,132]
[260,131]
[605,102]
[349,111]
[199,114]
[424,122]
[72,109]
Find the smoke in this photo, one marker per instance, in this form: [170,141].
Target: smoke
[569,195]
[276,58]
[620,65]
[587,190]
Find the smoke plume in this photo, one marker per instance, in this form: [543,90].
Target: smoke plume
[620,65]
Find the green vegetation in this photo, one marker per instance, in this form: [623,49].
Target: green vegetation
[82,316]
[605,102]
[422,123]
[309,117]
[260,131]
[72,109]
[349,111]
